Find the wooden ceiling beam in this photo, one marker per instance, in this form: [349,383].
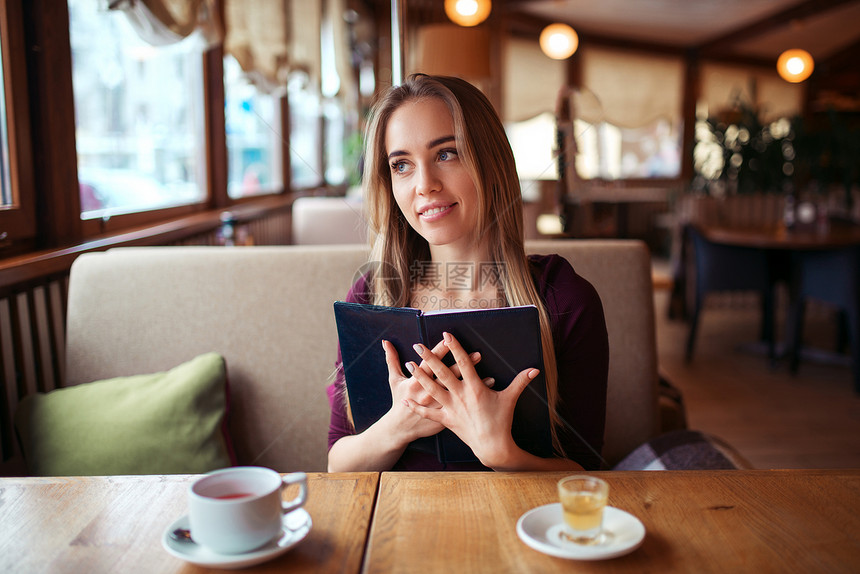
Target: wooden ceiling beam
[844,58]
[724,44]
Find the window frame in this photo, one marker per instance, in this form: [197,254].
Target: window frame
[18,222]
[37,66]
[43,151]
[215,194]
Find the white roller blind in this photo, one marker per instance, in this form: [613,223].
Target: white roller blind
[532,80]
[257,37]
[634,90]
[305,23]
[336,11]
[722,86]
[778,98]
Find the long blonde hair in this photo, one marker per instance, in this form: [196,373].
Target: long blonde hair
[483,147]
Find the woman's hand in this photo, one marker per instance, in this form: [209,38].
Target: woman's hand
[407,389]
[462,402]
[382,444]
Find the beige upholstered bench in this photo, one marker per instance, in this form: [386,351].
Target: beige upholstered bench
[268,312]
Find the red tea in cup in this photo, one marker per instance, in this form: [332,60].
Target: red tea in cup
[232,496]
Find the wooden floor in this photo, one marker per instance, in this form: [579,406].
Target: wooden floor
[775,419]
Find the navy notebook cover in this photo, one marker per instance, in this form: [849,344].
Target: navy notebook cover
[508,339]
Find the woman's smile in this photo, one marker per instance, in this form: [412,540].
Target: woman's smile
[436,213]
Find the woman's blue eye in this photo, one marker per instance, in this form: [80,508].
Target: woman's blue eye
[447,154]
[398,166]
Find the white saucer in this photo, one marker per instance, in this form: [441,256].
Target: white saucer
[295,527]
[540,528]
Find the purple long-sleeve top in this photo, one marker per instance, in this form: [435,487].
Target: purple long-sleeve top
[582,356]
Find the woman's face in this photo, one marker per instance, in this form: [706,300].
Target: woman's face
[431,185]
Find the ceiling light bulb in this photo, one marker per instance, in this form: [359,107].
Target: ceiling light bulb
[559,41]
[467,7]
[467,12]
[795,65]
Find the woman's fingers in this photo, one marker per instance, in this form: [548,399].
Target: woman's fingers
[520,382]
[463,360]
[434,366]
[434,387]
[455,368]
[432,414]
[463,367]
[396,376]
[392,360]
[440,350]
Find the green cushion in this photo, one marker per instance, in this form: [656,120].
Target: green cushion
[162,423]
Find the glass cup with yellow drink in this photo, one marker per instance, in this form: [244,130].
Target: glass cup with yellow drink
[583,499]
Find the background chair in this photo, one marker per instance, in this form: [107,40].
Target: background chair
[832,277]
[321,220]
[729,268]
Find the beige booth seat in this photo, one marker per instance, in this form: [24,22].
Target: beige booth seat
[321,220]
[268,311]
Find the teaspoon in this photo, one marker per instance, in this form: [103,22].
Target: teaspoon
[182,535]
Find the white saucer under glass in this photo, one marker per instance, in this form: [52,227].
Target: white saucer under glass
[541,529]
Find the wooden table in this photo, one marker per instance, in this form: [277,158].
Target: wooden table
[724,521]
[115,524]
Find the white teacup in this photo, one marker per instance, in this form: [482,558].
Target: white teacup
[239,509]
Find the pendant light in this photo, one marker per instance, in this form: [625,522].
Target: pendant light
[795,65]
[559,41]
[467,12]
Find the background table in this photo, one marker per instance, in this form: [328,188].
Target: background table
[820,263]
[835,235]
[115,524]
[724,521]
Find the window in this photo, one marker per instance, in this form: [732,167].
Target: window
[335,142]
[139,116]
[607,151]
[533,143]
[305,132]
[628,116]
[254,135]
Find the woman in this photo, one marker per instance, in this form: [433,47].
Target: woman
[442,193]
